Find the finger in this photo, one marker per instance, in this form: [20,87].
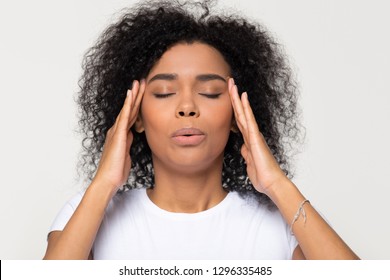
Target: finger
[125,111]
[241,118]
[254,136]
[134,89]
[140,95]
[136,105]
[118,117]
[252,126]
[256,140]
[230,86]
[239,112]
[238,109]
[233,97]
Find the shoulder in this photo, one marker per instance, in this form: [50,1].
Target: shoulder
[249,208]
[128,195]
[265,227]
[127,201]
[250,203]
[75,200]
[66,212]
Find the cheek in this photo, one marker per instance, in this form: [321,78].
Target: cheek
[221,114]
[152,128]
[156,121]
[151,113]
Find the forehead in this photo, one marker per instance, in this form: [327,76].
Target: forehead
[191,59]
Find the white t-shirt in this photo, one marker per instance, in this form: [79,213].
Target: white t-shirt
[135,228]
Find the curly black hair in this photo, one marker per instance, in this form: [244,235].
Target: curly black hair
[128,49]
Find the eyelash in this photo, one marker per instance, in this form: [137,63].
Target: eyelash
[211,95]
[162,95]
[208,95]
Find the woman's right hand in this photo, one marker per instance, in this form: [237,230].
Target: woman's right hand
[115,163]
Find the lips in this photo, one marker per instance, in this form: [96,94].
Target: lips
[188,136]
[187,132]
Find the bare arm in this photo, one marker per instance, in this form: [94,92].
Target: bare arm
[317,240]
[76,240]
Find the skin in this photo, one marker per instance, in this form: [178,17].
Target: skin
[185,172]
[176,97]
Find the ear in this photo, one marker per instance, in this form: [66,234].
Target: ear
[234,128]
[139,124]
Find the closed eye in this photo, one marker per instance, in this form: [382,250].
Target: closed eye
[211,95]
[163,95]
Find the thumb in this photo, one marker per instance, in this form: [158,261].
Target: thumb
[129,140]
[245,153]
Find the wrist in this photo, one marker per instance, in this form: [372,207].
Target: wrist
[281,190]
[102,190]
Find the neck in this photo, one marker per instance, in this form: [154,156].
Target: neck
[187,192]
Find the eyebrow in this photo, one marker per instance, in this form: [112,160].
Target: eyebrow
[163,76]
[209,77]
[173,76]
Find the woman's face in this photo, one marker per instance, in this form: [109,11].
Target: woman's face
[186,110]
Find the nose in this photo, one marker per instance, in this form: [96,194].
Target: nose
[187,107]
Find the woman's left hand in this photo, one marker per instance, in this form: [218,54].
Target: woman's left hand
[316,238]
[262,168]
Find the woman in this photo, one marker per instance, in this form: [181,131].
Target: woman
[205,172]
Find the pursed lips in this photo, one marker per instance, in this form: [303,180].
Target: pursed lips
[188,136]
[187,132]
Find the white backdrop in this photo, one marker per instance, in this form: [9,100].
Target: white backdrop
[339,49]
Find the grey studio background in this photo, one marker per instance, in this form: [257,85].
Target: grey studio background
[340,53]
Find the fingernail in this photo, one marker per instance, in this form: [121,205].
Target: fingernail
[128,92]
[132,85]
[231,83]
